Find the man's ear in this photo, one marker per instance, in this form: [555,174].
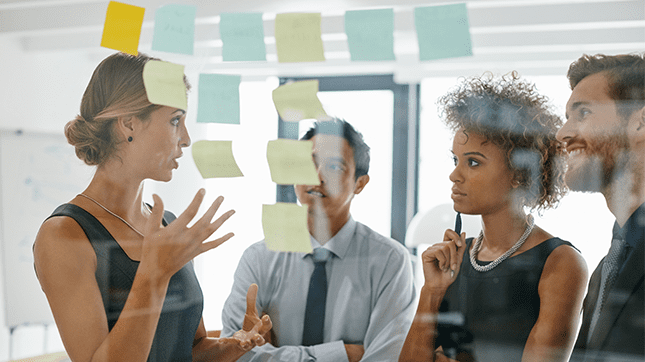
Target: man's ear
[636,128]
[360,184]
[125,126]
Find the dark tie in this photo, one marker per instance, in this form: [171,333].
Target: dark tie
[312,333]
[610,267]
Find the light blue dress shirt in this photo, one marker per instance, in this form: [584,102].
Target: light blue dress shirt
[370,298]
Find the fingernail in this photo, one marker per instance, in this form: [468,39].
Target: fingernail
[452,273]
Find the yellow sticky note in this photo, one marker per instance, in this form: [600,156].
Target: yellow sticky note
[298,100]
[291,162]
[122,27]
[285,227]
[164,83]
[215,159]
[298,37]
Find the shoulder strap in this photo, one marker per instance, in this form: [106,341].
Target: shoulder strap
[546,248]
[93,229]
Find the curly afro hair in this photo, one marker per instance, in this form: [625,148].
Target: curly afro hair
[509,112]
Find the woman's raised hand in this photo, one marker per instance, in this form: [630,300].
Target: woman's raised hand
[254,329]
[169,248]
[442,261]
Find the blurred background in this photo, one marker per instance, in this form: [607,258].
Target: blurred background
[49,48]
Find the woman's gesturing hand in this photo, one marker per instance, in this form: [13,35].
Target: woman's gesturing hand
[170,248]
[254,328]
[442,261]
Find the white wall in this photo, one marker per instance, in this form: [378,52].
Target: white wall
[38,93]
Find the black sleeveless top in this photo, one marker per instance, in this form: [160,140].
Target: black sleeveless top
[489,315]
[115,271]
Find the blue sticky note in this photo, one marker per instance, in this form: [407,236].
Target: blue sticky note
[242,36]
[443,31]
[370,34]
[219,98]
[174,30]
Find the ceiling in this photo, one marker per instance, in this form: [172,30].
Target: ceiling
[536,37]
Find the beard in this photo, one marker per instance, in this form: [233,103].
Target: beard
[604,160]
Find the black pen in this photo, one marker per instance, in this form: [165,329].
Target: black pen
[458,231]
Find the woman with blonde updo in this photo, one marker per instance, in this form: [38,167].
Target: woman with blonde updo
[117,272]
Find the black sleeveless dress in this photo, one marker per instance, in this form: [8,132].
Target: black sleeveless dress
[488,316]
[115,271]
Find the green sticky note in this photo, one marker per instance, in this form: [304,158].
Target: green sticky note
[298,37]
[164,83]
[370,34]
[122,27]
[298,100]
[285,227]
[219,98]
[443,31]
[242,36]
[215,159]
[291,162]
[174,30]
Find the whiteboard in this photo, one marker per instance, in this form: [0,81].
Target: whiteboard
[38,172]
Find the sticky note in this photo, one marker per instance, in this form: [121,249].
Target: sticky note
[122,27]
[285,227]
[296,101]
[215,159]
[164,83]
[370,34]
[174,30]
[291,162]
[443,31]
[219,98]
[298,37]
[242,37]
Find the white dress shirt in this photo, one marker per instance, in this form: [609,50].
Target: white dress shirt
[370,298]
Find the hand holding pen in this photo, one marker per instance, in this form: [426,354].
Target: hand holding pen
[442,261]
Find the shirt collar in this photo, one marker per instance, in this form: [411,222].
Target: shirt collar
[339,243]
[634,229]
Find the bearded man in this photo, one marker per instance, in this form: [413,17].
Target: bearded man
[604,136]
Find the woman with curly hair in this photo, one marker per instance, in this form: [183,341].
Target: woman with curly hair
[514,292]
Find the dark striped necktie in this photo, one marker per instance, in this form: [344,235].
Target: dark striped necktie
[610,268]
[312,333]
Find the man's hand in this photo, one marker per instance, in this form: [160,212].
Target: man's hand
[354,352]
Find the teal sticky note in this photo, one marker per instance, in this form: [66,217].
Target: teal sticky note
[443,31]
[242,36]
[174,30]
[370,34]
[219,98]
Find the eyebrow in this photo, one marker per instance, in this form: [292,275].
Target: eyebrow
[575,106]
[472,153]
[337,159]
[476,154]
[179,110]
